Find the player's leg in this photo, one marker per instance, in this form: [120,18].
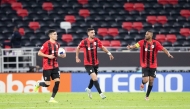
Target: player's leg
[56,77]
[88,89]
[152,75]
[144,78]
[46,82]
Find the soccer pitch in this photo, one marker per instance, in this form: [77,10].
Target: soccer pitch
[81,101]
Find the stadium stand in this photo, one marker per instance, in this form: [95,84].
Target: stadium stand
[120,20]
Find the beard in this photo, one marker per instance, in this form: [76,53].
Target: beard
[147,38]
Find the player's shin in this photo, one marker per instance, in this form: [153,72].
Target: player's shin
[96,84]
[55,89]
[149,90]
[43,84]
[90,84]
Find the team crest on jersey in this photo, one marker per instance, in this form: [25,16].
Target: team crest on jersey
[152,46]
[94,43]
[52,51]
[146,49]
[88,48]
[56,45]
[42,47]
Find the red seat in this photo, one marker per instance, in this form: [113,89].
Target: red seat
[48,6]
[106,43]
[129,6]
[162,19]
[21,31]
[127,25]
[173,2]
[185,13]
[7,46]
[70,49]
[83,2]
[10,1]
[16,6]
[151,19]
[102,31]
[161,38]
[139,6]
[22,12]
[84,12]
[171,38]
[70,18]
[67,37]
[185,31]
[163,2]
[113,31]
[115,43]
[34,25]
[137,25]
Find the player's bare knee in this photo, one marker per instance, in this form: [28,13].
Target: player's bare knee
[56,79]
[47,83]
[95,79]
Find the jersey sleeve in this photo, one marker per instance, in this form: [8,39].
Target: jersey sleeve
[159,46]
[44,48]
[81,44]
[100,44]
[139,44]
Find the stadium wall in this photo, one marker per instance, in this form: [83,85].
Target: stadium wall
[125,59]
[109,82]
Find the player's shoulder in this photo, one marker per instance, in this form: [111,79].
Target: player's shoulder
[45,43]
[96,39]
[156,41]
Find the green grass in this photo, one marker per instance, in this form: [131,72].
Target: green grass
[81,101]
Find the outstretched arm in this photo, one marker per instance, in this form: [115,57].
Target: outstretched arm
[133,46]
[166,52]
[109,53]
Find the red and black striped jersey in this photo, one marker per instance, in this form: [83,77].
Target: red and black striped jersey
[90,50]
[148,53]
[50,48]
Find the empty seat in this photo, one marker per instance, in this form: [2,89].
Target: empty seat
[151,19]
[173,2]
[21,31]
[127,25]
[34,25]
[113,31]
[105,43]
[162,19]
[137,25]
[22,12]
[161,38]
[139,6]
[129,6]
[163,2]
[185,31]
[16,6]
[115,43]
[171,38]
[102,31]
[70,18]
[84,12]
[65,25]
[47,6]
[67,37]
[83,2]
[185,13]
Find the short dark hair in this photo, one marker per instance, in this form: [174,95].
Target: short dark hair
[150,31]
[50,31]
[90,29]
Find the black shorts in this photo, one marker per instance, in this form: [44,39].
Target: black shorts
[149,72]
[91,69]
[53,73]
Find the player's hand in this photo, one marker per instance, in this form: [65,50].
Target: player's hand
[170,56]
[78,60]
[62,55]
[128,47]
[111,57]
[51,56]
